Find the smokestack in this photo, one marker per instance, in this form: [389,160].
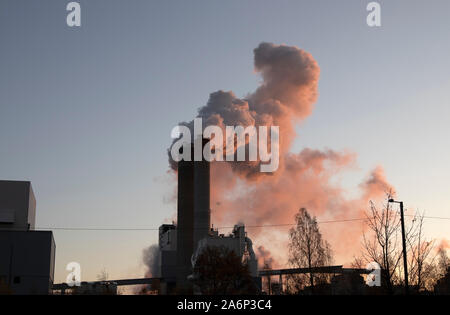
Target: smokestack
[202,212]
[194,214]
[185,219]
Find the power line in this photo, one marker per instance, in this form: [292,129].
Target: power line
[156,229]
[426,217]
[219,228]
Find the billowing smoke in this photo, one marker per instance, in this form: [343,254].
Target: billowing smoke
[265,259]
[150,258]
[304,179]
[286,95]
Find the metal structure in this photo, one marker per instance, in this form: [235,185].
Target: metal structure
[62,287]
[293,271]
[326,269]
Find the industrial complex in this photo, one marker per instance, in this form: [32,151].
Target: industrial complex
[28,256]
[27,259]
[180,244]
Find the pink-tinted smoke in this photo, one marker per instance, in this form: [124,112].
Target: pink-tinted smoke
[240,192]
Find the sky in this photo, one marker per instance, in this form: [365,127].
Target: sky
[86,113]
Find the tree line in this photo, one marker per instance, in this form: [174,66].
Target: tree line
[220,271]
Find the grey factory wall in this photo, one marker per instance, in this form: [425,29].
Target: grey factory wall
[27,260]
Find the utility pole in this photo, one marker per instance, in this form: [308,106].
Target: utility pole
[405,258]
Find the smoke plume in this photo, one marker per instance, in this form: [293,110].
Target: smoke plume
[265,259]
[240,192]
[286,95]
[150,258]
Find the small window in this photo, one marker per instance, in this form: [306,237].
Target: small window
[16,280]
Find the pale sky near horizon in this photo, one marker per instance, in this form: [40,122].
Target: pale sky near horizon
[86,113]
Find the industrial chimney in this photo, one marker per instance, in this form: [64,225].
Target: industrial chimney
[194,213]
[185,219]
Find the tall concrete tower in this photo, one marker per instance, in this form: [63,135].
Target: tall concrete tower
[185,221]
[194,213]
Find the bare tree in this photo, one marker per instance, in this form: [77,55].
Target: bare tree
[443,262]
[441,284]
[383,243]
[307,248]
[421,263]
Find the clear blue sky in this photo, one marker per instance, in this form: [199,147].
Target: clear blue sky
[86,114]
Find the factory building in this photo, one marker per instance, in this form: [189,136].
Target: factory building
[180,245]
[236,241]
[27,257]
